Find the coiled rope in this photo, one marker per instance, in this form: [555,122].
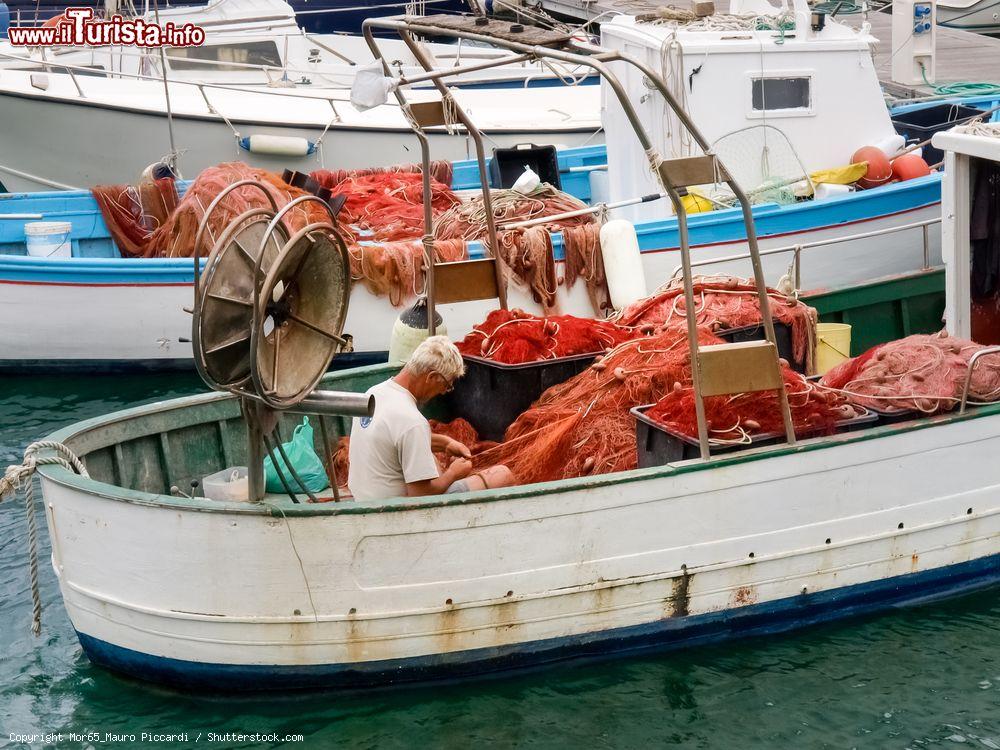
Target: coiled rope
[19,477]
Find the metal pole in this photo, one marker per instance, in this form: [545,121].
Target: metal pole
[425,162]
[477,139]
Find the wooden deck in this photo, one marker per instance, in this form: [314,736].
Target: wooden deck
[961,55]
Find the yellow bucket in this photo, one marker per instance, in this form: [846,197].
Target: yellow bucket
[833,345]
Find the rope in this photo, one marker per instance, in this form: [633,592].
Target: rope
[18,477]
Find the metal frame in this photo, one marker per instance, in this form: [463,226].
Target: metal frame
[597,59]
[968,373]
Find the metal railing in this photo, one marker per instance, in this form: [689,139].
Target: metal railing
[797,249]
[968,373]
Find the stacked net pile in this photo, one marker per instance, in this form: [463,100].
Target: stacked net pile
[149,221]
[918,373]
[725,302]
[440,170]
[389,206]
[742,417]
[582,426]
[515,337]
[458,429]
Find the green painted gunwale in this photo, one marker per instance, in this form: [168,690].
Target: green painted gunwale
[131,421]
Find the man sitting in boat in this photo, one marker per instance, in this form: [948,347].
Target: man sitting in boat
[392,453]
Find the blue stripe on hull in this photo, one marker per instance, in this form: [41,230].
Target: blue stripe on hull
[758,619]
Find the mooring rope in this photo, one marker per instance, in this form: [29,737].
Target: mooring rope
[18,477]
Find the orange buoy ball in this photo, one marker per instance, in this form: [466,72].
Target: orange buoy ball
[879,169]
[909,167]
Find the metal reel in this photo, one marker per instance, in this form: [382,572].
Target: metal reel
[224,316]
[300,316]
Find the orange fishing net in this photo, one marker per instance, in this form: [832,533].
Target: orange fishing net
[919,373]
[149,223]
[582,252]
[397,269]
[741,417]
[526,253]
[727,302]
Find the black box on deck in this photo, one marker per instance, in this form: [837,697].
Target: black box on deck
[657,445]
[782,334]
[508,164]
[892,415]
[491,395]
[921,124]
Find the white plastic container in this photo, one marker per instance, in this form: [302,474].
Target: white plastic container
[48,239]
[622,263]
[826,190]
[232,484]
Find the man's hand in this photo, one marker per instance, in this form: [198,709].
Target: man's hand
[460,468]
[460,450]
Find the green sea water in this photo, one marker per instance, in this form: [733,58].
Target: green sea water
[914,678]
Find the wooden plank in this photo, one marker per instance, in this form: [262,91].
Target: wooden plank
[428,114]
[692,170]
[744,367]
[465,281]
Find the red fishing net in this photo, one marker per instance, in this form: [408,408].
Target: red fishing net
[137,220]
[736,419]
[583,426]
[328,178]
[918,373]
[389,205]
[727,302]
[516,337]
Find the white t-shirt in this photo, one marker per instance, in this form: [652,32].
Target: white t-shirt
[391,448]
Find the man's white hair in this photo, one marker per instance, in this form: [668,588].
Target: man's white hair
[437,354]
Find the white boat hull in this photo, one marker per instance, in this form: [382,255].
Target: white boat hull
[58,139]
[675,555]
[143,325]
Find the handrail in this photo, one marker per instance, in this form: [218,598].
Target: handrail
[798,248]
[968,373]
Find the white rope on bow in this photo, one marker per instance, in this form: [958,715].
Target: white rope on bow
[19,477]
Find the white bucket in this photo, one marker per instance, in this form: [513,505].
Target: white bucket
[48,239]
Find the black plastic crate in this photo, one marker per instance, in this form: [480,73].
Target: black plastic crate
[491,395]
[782,335]
[921,124]
[892,415]
[657,445]
[508,164]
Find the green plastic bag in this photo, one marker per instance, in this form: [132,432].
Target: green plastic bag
[303,459]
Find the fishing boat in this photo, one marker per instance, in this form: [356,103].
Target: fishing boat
[261,43]
[348,593]
[981,16]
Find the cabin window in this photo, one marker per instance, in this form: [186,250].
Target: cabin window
[780,93]
[246,53]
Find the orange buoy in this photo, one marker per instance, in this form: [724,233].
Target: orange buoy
[908,167]
[879,169]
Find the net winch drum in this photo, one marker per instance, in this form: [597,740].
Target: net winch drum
[268,318]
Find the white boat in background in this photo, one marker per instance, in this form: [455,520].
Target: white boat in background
[73,117]
[259,42]
[981,16]
[847,239]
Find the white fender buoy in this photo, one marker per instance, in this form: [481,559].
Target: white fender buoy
[410,329]
[277,145]
[622,263]
[891,145]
